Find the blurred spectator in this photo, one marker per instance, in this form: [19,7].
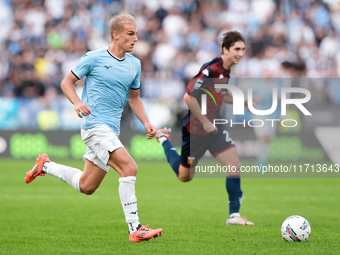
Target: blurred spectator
[40,41]
[6,19]
[9,113]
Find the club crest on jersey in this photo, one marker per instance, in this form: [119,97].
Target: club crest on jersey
[191,160]
[130,68]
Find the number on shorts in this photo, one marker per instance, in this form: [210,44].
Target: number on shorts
[227,137]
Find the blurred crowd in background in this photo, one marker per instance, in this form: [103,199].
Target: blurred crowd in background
[42,40]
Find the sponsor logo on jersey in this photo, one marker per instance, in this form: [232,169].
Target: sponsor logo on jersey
[198,85]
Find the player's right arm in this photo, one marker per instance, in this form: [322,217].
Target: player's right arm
[195,108]
[67,86]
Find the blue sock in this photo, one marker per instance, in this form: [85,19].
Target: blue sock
[233,185]
[172,156]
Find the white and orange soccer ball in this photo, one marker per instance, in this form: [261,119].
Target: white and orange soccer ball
[295,229]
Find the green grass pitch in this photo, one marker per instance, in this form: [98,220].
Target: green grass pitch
[50,217]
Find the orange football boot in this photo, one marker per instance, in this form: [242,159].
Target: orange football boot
[144,234]
[37,169]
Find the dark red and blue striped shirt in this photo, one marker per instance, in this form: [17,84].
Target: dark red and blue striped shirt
[211,73]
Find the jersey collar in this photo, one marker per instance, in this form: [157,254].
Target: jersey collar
[227,71]
[119,59]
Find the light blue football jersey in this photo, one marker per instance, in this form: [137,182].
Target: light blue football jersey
[108,80]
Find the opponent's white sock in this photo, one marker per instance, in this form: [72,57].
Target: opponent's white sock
[129,202]
[232,215]
[67,174]
[162,139]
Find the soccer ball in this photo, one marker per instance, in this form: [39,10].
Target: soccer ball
[295,229]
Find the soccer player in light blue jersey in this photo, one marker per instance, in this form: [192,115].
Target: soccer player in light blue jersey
[112,78]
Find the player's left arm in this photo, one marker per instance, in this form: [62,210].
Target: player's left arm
[137,107]
[228,98]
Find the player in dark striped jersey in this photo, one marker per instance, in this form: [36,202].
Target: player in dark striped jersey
[198,132]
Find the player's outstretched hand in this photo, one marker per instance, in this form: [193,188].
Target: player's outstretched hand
[151,130]
[209,127]
[82,109]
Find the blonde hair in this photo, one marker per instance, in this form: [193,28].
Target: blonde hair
[117,23]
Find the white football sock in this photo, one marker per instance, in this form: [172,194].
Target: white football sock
[162,139]
[129,201]
[67,174]
[234,215]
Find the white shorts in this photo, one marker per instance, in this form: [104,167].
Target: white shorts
[100,142]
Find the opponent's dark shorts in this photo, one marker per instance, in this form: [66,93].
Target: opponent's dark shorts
[195,146]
